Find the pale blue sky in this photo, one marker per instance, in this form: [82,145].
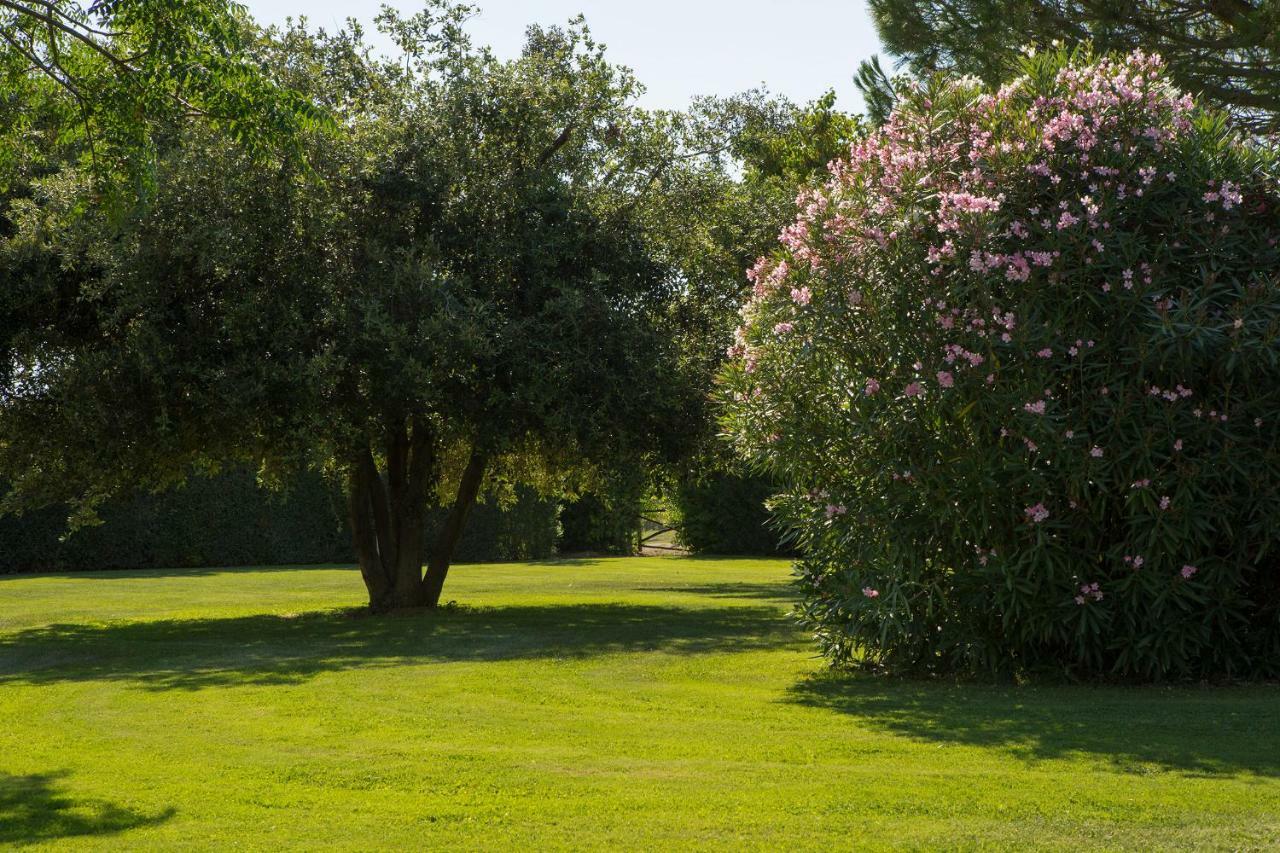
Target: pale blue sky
[678,48]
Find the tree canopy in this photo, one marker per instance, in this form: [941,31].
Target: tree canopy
[1226,51]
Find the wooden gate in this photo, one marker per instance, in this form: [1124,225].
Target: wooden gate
[655,532]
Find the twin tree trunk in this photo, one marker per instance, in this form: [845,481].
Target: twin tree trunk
[388,519]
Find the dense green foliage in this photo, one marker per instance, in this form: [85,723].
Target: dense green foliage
[722,513]
[524,527]
[633,703]
[1225,51]
[230,520]
[1019,370]
[225,521]
[593,525]
[489,272]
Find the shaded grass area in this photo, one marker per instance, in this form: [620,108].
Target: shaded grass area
[629,703]
[1204,732]
[33,808]
[281,649]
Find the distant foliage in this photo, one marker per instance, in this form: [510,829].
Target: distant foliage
[1018,367]
[230,521]
[526,529]
[593,525]
[725,514]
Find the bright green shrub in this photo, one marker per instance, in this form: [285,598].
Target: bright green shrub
[1018,368]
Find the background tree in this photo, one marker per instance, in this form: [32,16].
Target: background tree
[744,159]
[458,289]
[1227,51]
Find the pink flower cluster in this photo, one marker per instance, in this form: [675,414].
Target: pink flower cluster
[1089,592]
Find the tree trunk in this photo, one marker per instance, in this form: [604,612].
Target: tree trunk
[365,538]
[451,532]
[388,516]
[410,469]
[388,513]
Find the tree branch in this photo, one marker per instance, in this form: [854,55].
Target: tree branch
[559,143]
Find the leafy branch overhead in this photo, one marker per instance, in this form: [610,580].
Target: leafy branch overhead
[130,71]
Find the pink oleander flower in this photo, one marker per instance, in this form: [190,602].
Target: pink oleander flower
[835,509]
[1089,591]
[970,203]
[1165,502]
[870,593]
[801,295]
[913,389]
[1037,513]
[1188,572]
[1036,408]
[945,379]
[1045,353]
[783,328]
[1096,452]
[871,387]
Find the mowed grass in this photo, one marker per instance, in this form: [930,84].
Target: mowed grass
[632,703]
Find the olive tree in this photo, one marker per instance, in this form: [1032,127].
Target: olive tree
[457,290]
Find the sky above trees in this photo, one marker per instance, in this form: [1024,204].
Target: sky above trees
[678,48]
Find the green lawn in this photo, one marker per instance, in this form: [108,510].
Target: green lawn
[650,702]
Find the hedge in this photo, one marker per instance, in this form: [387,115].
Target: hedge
[725,514]
[230,521]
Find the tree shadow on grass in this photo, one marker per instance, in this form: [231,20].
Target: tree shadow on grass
[274,649]
[152,574]
[1204,731]
[781,591]
[32,810]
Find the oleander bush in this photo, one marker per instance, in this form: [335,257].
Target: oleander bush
[1017,366]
